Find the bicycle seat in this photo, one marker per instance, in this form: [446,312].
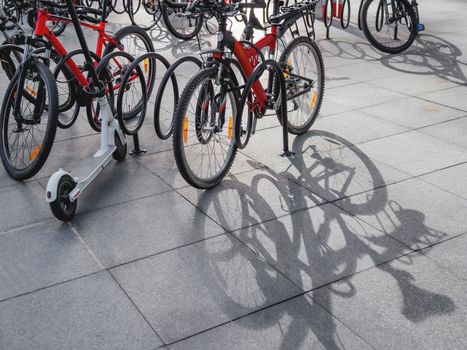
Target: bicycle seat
[278,18]
[291,11]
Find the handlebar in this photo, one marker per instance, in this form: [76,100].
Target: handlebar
[219,7]
[81,11]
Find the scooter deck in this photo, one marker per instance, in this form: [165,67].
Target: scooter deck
[88,169]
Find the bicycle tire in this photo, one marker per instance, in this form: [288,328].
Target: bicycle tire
[377,44]
[149,46]
[178,134]
[41,152]
[168,23]
[316,99]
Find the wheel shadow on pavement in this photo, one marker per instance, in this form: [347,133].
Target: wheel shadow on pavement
[312,247]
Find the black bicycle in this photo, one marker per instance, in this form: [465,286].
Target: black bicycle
[390,25]
[28,117]
[216,114]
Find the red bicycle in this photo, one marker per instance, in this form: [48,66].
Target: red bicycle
[210,109]
[70,76]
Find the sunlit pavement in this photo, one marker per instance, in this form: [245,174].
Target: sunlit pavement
[357,242]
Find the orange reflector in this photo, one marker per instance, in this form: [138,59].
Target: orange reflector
[229,135]
[34,153]
[31,91]
[146,65]
[185,130]
[313,100]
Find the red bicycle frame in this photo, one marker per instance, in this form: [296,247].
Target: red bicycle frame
[248,58]
[41,30]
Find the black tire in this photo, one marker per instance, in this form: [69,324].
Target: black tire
[120,153]
[316,100]
[406,8]
[127,31]
[62,208]
[345,14]
[11,56]
[178,133]
[166,13]
[48,104]
[169,75]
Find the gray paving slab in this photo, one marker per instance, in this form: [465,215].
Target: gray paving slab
[363,71]
[348,125]
[413,112]
[320,245]
[119,182]
[163,164]
[451,179]
[330,107]
[143,227]
[452,131]
[67,154]
[22,204]
[80,128]
[450,255]
[233,204]
[297,324]
[414,152]
[87,313]
[414,212]
[361,95]
[409,303]
[332,167]
[454,97]
[194,288]
[416,85]
[5,179]
[39,256]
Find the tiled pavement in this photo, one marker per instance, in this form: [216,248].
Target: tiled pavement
[358,242]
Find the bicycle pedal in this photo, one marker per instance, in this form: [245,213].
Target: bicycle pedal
[420,27]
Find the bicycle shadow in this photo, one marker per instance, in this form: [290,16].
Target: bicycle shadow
[311,247]
[430,55]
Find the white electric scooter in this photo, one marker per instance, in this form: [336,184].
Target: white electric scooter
[63,187]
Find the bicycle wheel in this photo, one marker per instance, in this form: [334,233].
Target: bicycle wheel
[148,16]
[136,42]
[203,141]
[27,134]
[345,14]
[181,26]
[391,27]
[304,76]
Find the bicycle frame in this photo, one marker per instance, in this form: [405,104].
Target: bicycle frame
[248,58]
[41,30]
